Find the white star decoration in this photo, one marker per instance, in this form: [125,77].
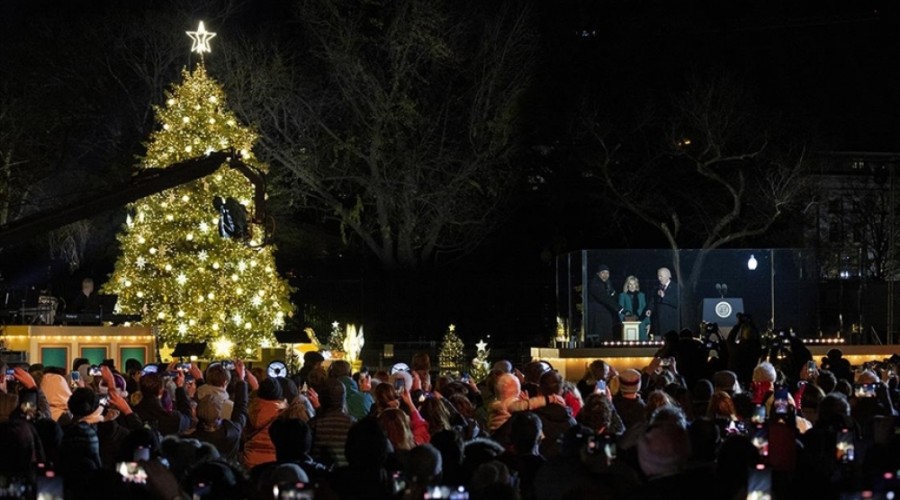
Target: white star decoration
[201,39]
[481,345]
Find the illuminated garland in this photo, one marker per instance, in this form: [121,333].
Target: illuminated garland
[174,267]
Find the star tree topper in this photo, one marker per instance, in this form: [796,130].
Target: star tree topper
[201,39]
[481,345]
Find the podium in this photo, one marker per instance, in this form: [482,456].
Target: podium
[631,330]
[722,311]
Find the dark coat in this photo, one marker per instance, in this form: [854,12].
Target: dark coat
[664,311]
[227,436]
[603,309]
[175,422]
[555,420]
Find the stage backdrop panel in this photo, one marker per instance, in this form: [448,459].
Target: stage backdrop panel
[55,356]
[94,354]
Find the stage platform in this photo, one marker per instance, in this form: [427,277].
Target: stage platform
[573,363]
[60,345]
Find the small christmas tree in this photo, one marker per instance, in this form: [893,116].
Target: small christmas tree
[450,358]
[481,367]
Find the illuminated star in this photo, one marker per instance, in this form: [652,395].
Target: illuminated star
[201,39]
[481,345]
[452,328]
[181,279]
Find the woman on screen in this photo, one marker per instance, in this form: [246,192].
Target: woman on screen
[634,305]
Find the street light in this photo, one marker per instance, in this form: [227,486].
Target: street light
[752,263]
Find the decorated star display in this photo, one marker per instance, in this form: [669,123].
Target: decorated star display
[201,39]
[481,345]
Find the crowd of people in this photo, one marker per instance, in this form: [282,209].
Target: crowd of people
[746,422]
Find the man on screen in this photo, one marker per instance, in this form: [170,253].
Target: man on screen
[664,311]
[603,307]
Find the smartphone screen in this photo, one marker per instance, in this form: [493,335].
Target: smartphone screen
[810,366]
[761,440]
[759,414]
[864,390]
[844,447]
[132,472]
[400,384]
[76,376]
[759,482]
[49,486]
[601,386]
[94,371]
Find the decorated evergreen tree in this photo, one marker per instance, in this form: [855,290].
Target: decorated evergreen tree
[176,267]
[450,358]
[481,367]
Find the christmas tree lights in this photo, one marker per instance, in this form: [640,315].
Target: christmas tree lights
[175,268]
[450,357]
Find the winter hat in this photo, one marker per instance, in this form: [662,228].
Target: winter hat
[270,390]
[664,450]
[726,380]
[83,402]
[764,372]
[629,381]
[312,357]
[288,389]
[209,409]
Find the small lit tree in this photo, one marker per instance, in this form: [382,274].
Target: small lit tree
[451,356]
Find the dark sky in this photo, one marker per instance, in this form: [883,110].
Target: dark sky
[826,67]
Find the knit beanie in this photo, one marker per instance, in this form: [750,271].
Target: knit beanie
[82,402]
[764,372]
[270,389]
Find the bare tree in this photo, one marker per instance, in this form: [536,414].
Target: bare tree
[706,176]
[402,127]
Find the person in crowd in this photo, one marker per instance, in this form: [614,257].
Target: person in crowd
[151,407]
[511,399]
[331,425]
[598,370]
[555,419]
[627,399]
[214,384]
[835,362]
[524,457]
[311,361]
[359,399]
[224,433]
[264,409]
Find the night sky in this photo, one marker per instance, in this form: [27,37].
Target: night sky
[827,70]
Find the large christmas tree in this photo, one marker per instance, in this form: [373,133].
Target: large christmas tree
[175,267]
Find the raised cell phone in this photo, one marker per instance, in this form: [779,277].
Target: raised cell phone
[132,472]
[759,482]
[400,384]
[864,390]
[845,450]
[601,386]
[94,371]
[761,440]
[759,414]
